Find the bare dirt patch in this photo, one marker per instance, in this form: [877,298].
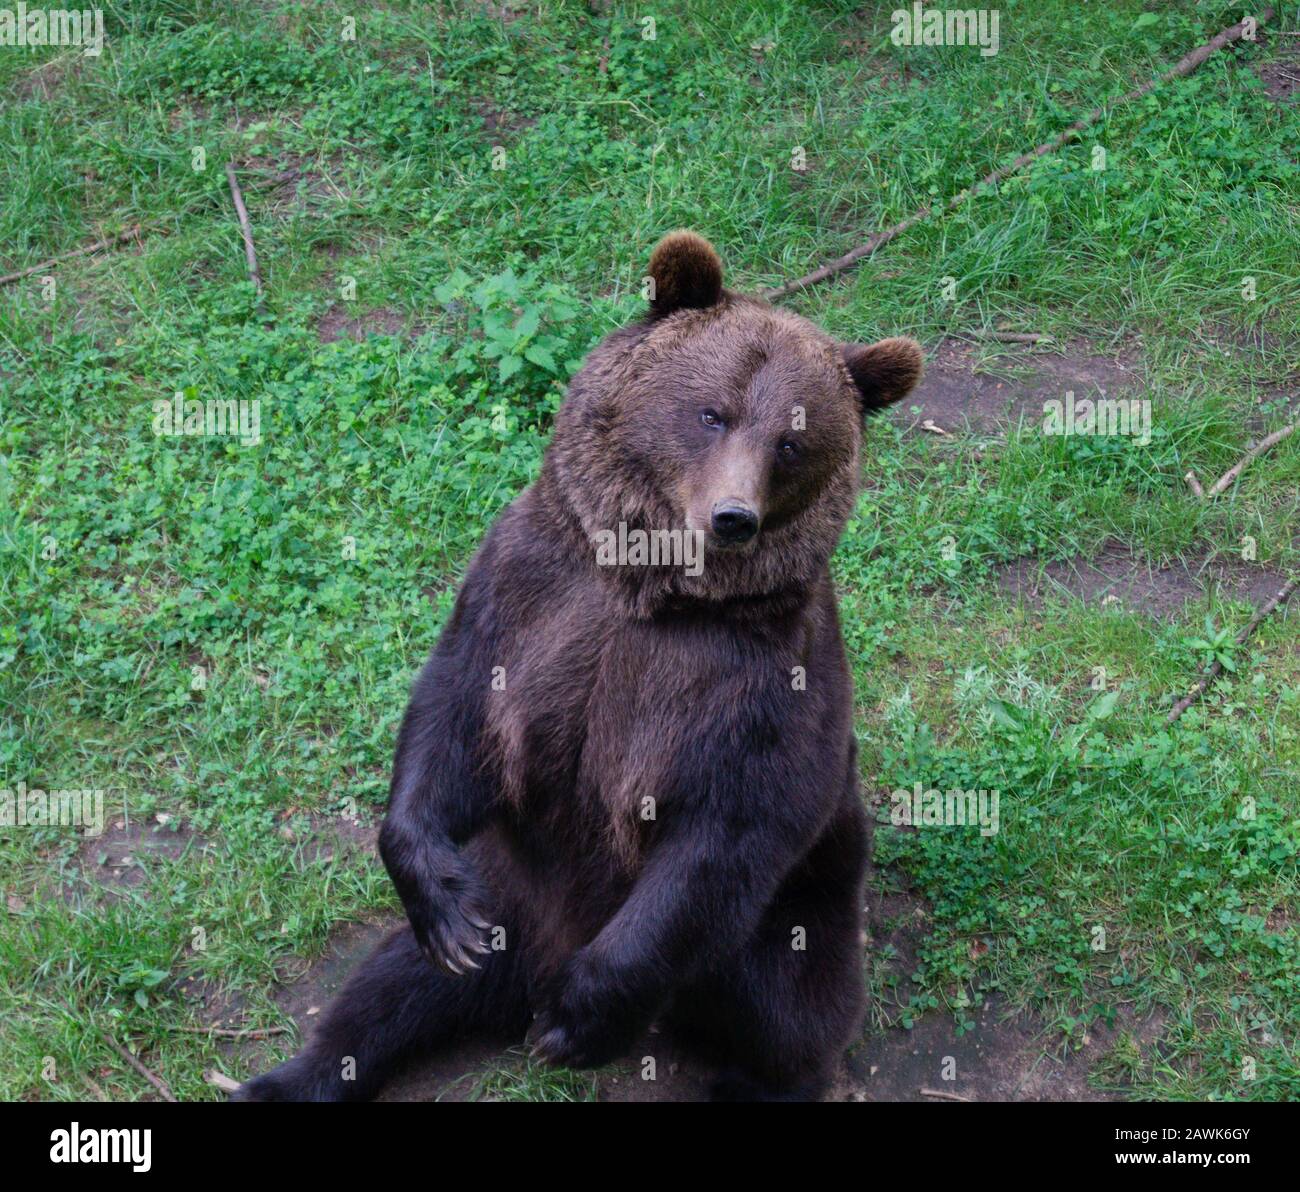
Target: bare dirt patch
[119,858]
[1001,1058]
[1119,576]
[1281,73]
[339,323]
[958,392]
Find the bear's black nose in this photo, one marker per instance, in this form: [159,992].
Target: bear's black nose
[734,523]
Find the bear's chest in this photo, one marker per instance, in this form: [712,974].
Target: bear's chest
[586,723]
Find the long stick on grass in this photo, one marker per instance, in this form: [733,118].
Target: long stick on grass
[132,233]
[157,1081]
[1213,673]
[245,228]
[1233,472]
[1184,66]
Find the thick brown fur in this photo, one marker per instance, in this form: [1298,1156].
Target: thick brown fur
[629,793]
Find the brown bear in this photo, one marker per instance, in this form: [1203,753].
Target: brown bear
[625,788]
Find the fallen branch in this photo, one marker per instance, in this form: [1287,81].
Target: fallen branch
[1213,673]
[221,1081]
[1185,65]
[231,1032]
[157,1081]
[132,233]
[1233,472]
[944,1096]
[245,228]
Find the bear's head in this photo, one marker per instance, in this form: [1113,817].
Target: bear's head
[722,417]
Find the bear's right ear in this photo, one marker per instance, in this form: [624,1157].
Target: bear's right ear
[685,273]
[883,372]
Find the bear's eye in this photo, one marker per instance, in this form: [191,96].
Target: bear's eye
[788,449]
[711,418]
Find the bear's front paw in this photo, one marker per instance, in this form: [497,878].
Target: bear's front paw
[448,924]
[441,892]
[588,1022]
[449,933]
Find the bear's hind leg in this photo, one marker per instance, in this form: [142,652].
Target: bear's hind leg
[775,1019]
[393,1009]
[775,1023]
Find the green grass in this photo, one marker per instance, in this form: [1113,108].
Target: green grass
[518,1078]
[224,635]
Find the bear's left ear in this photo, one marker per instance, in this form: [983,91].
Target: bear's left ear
[686,272]
[884,372]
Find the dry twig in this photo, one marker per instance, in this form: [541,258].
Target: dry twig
[944,1096]
[132,233]
[1233,472]
[245,228]
[157,1081]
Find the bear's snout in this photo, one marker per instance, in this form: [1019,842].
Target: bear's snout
[734,522]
